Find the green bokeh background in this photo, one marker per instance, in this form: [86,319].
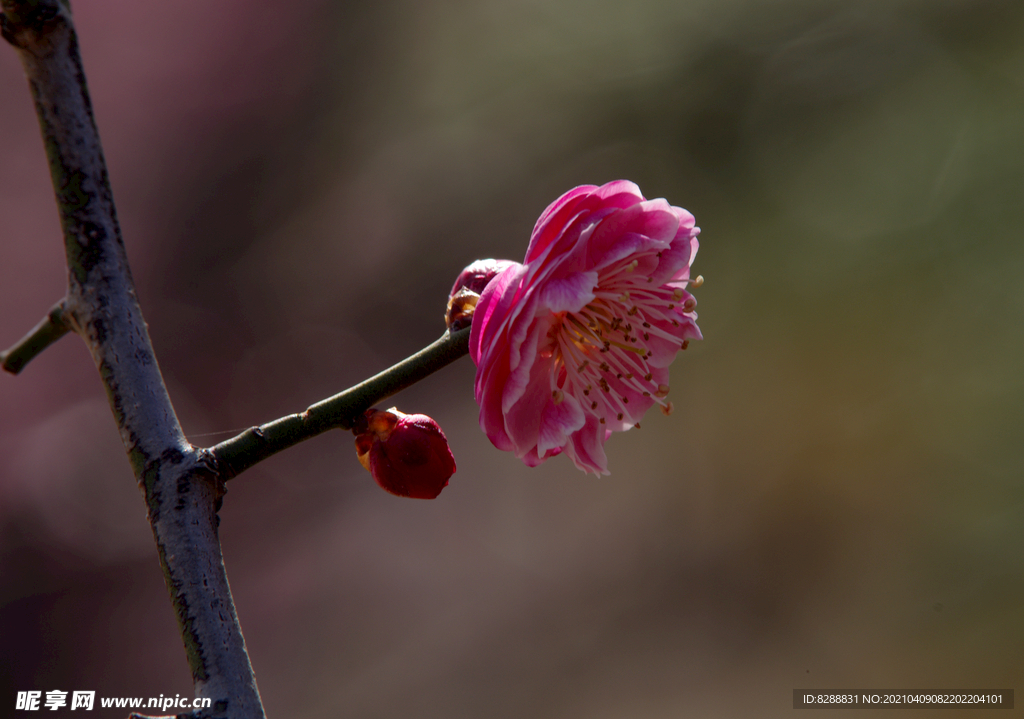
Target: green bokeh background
[836,501]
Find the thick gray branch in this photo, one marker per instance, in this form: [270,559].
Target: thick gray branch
[237,454]
[181,491]
[50,329]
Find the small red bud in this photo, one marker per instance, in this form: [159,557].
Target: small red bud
[407,454]
[468,287]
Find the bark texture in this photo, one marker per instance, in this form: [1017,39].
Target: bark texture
[181,492]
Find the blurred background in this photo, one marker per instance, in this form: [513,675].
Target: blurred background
[837,500]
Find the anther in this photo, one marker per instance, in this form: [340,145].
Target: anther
[620,416]
[697,281]
[689,305]
[557,396]
[666,409]
[662,391]
[686,343]
[677,294]
[602,420]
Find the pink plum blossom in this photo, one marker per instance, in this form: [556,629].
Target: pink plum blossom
[575,343]
[407,454]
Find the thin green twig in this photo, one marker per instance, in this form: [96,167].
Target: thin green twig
[233,456]
[49,330]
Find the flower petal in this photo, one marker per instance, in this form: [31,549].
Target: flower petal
[587,448]
[569,294]
[559,421]
[524,417]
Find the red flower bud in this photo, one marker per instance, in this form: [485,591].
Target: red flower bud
[467,289]
[407,454]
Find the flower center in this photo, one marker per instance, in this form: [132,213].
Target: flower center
[601,352]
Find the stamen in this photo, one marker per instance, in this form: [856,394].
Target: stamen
[628,348]
[697,281]
[580,338]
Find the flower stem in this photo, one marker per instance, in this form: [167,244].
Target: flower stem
[233,456]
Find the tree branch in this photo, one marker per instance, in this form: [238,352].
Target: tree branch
[233,456]
[181,490]
[50,329]
[183,485]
